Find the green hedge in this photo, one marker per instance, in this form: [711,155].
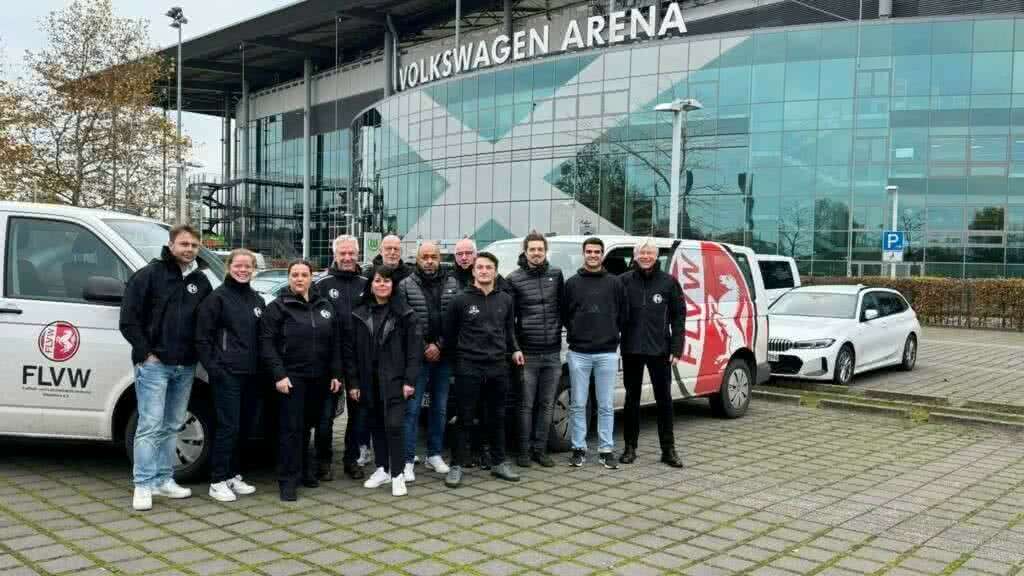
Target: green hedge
[988,303]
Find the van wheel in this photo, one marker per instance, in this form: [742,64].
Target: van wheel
[560,434]
[733,398]
[194,442]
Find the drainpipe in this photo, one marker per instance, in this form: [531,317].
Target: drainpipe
[507,20]
[391,31]
[884,8]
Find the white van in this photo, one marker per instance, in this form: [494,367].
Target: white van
[66,370]
[725,348]
[779,273]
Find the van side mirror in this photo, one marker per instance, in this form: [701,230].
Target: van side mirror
[103,289]
[870,314]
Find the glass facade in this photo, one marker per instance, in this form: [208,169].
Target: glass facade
[801,132]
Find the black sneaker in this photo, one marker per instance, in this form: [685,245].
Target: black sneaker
[523,460]
[485,459]
[325,471]
[288,492]
[578,458]
[354,471]
[543,459]
[607,459]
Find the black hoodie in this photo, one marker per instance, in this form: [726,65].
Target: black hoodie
[344,290]
[300,338]
[595,311]
[228,331]
[158,312]
[655,326]
[481,327]
[539,293]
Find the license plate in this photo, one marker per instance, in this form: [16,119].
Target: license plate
[773,357]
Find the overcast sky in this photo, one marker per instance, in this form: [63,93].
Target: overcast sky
[19,31]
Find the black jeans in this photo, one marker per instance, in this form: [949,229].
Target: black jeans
[238,401]
[480,386]
[387,427]
[323,435]
[293,433]
[661,381]
[538,389]
[355,430]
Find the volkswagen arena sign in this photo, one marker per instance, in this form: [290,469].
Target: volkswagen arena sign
[620,26]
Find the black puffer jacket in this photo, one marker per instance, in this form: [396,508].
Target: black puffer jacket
[228,334]
[343,290]
[538,293]
[390,353]
[655,325]
[300,338]
[158,312]
[429,298]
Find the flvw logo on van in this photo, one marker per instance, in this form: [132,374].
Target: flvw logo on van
[58,341]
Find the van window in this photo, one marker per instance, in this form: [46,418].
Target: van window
[748,275]
[776,274]
[52,259]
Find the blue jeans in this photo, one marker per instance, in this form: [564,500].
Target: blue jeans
[603,366]
[161,394]
[434,377]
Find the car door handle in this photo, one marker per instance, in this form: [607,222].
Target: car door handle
[10,311]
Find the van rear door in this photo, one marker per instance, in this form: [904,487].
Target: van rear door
[63,354]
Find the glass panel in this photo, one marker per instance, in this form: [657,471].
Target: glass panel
[948,37]
[802,80]
[991,72]
[991,35]
[768,82]
[911,39]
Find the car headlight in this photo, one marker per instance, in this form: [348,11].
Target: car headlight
[810,344]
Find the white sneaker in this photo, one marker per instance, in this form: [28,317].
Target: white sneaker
[222,493]
[436,463]
[398,486]
[409,474]
[142,499]
[239,487]
[170,489]
[377,479]
[364,455]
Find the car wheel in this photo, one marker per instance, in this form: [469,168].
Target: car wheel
[909,353]
[733,398]
[560,434]
[845,363]
[192,450]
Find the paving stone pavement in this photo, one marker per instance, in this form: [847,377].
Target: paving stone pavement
[959,365]
[785,490]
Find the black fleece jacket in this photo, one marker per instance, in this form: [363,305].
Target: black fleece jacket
[228,334]
[158,312]
[402,271]
[595,311]
[301,338]
[481,327]
[344,290]
[655,326]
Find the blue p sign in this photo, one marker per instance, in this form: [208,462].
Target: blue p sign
[893,240]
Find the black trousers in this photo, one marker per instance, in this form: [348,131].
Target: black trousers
[355,430]
[480,387]
[323,433]
[304,403]
[387,428]
[661,381]
[238,402]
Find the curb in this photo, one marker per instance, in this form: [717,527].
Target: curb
[912,398]
[766,395]
[945,417]
[865,408]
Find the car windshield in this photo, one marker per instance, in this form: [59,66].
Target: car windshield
[149,238]
[565,255]
[816,304]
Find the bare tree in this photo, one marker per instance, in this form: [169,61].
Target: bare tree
[13,153]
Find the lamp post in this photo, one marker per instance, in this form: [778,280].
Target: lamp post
[177,21]
[895,191]
[679,108]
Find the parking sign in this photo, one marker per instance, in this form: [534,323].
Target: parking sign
[893,241]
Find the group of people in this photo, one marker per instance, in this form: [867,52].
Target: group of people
[384,340]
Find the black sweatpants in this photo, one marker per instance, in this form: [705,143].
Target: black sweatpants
[661,381]
[238,402]
[480,386]
[387,427]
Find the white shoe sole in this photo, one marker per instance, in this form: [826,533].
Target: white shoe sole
[223,497]
[178,496]
[372,485]
[139,507]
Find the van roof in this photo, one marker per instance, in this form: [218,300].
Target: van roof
[74,211]
[613,239]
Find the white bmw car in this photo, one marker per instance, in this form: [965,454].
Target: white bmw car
[835,332]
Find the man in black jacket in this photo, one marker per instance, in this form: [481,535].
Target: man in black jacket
[480,328]
[158,319]
[538,289]
[391,254]
[653,337]
[595,311]
[427,292]
[343,287]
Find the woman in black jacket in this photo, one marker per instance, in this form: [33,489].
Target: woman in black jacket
[300,345]
[383,360]
[227,340]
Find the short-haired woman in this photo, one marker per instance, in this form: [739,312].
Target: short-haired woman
[383,360]
[227,340]
[301,348]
